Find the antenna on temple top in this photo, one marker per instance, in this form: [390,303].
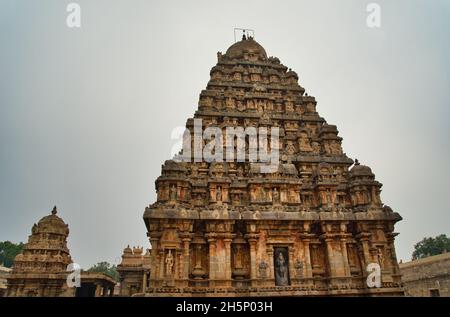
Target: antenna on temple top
[246,34]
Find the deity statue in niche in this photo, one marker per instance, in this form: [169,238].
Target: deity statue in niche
[316,148]
[240,105]
[275,196]
[335,148]
[380,257]
[173,192]
[169,263]
[236,199]
[304,143]
[281,267]
[328,198]
[230,103]
[240,171]
[219,193]
[206,102]
[310,108]
[194,170]
[326,147]
[289,106]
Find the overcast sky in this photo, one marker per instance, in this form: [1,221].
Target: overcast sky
[86,114]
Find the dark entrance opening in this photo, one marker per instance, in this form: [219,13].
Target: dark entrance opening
[86,290]
[434,293]
[281,266]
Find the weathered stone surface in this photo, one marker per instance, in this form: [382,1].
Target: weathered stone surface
[41,269]
[426,277]
[223,225]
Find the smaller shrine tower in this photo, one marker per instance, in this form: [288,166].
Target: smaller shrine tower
[40,270]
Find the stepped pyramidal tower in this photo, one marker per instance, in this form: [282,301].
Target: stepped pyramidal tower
[40,269]
[313,225]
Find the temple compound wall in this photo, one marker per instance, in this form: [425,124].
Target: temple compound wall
[427,277]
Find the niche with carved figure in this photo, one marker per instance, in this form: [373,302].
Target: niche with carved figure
[281,266]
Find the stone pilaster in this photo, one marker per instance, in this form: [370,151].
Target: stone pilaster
[345,255]
[306,239]
[212,240]
[364,238]
[185,260]
[252,238]
[227,242]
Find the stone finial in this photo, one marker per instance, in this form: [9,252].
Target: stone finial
[54,211]
[357,162]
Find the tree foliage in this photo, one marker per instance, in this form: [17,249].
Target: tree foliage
[107,268]
[8,251]
[431,246]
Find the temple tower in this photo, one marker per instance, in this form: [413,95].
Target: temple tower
[40,270]
[309,226]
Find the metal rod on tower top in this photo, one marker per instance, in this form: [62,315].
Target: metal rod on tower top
[245,32]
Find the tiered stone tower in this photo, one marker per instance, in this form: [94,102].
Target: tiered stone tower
[40,270]
[310,228]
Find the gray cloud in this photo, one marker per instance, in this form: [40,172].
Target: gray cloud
[86,115]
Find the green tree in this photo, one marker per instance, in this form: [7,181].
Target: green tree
[431,246]
[105,267]
[8,251]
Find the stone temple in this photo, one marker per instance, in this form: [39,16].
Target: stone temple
[310,227]
[41,269]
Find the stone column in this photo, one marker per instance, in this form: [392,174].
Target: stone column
[345,256]
[186,259]
[364,238]
[271,274]
[98,289]
[211,238]
[332,263]
[178,271]
[252,239]
[291,268]
[161,264]
[307,252]
[144,282]
[392,261]
[227,242]
[154,256]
